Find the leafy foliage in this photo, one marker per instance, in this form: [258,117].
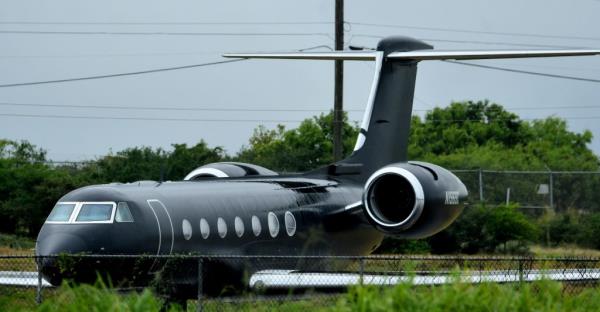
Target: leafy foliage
[29,187]
[307,147]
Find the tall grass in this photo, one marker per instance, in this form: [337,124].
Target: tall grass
[101,298]
[538,296]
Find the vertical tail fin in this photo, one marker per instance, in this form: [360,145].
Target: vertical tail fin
[385,128]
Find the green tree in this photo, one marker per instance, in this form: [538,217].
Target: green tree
[183,159]
[307,147]
[462,124]
[146,163]
[486,228]
[28,187]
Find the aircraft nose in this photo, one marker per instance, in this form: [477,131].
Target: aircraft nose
[52,245]
[58,243]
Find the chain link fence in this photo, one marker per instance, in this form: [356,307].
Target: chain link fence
[241,282]
[556,190]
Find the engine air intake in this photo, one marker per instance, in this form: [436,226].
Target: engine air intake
[394,198]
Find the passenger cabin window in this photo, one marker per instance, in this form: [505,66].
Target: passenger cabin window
[61,212]
[123,213]
[95,212]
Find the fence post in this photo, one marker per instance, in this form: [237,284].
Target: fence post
[38,295]
[551,190]
[520,271]
[200,281]
[362,270]
[480,185]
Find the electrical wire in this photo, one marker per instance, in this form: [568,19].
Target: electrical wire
[240,109]
[524,71]
[147,118]
[161,33]
[113,55]
[202,109]
[149,71]
[141,72]
[478,42]
[458,30]
[264,120]
[161,23]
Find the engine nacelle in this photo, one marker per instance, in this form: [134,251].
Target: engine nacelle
[413,200]
[228,170]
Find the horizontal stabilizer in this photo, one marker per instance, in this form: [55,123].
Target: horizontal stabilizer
[418,55]
[421,55]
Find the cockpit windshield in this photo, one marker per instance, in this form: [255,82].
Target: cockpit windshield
[95,212]
[61,212]
[90,212]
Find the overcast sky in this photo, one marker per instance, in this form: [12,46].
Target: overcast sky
[263,84]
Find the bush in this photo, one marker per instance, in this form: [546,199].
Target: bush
[590,231]
[574,227]
[564,229]
[392,245]
[488,229]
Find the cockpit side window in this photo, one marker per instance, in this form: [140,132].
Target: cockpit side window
[61,212]
[123,213]
[95,212]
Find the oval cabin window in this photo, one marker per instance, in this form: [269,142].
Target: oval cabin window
[290,223]
[204,228]
[222,227]
[256,227]
[273,224]
[239,226]
[186,227]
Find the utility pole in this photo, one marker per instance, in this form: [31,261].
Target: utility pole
[338,98]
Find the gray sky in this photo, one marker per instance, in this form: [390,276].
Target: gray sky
[268,84]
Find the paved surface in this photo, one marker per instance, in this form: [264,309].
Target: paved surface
[16,278]
[274,279]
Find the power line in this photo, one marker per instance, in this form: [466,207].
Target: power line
[170,108]
[146,118]
[162,23]
[149,71]
[480,42]
[21,84]
[261,120]
[161,33]
[525,72]
[240,109]
[114,55]
[446,29]
[140,54]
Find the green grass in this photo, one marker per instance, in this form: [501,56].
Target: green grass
[539,296]
[100,298]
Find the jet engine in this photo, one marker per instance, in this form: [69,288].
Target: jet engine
[228,170]
[413,200]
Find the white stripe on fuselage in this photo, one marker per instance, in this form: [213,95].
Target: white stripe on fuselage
[170,221]
[158,223]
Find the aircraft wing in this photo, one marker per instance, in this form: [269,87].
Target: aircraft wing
[285,279]
[21,278]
